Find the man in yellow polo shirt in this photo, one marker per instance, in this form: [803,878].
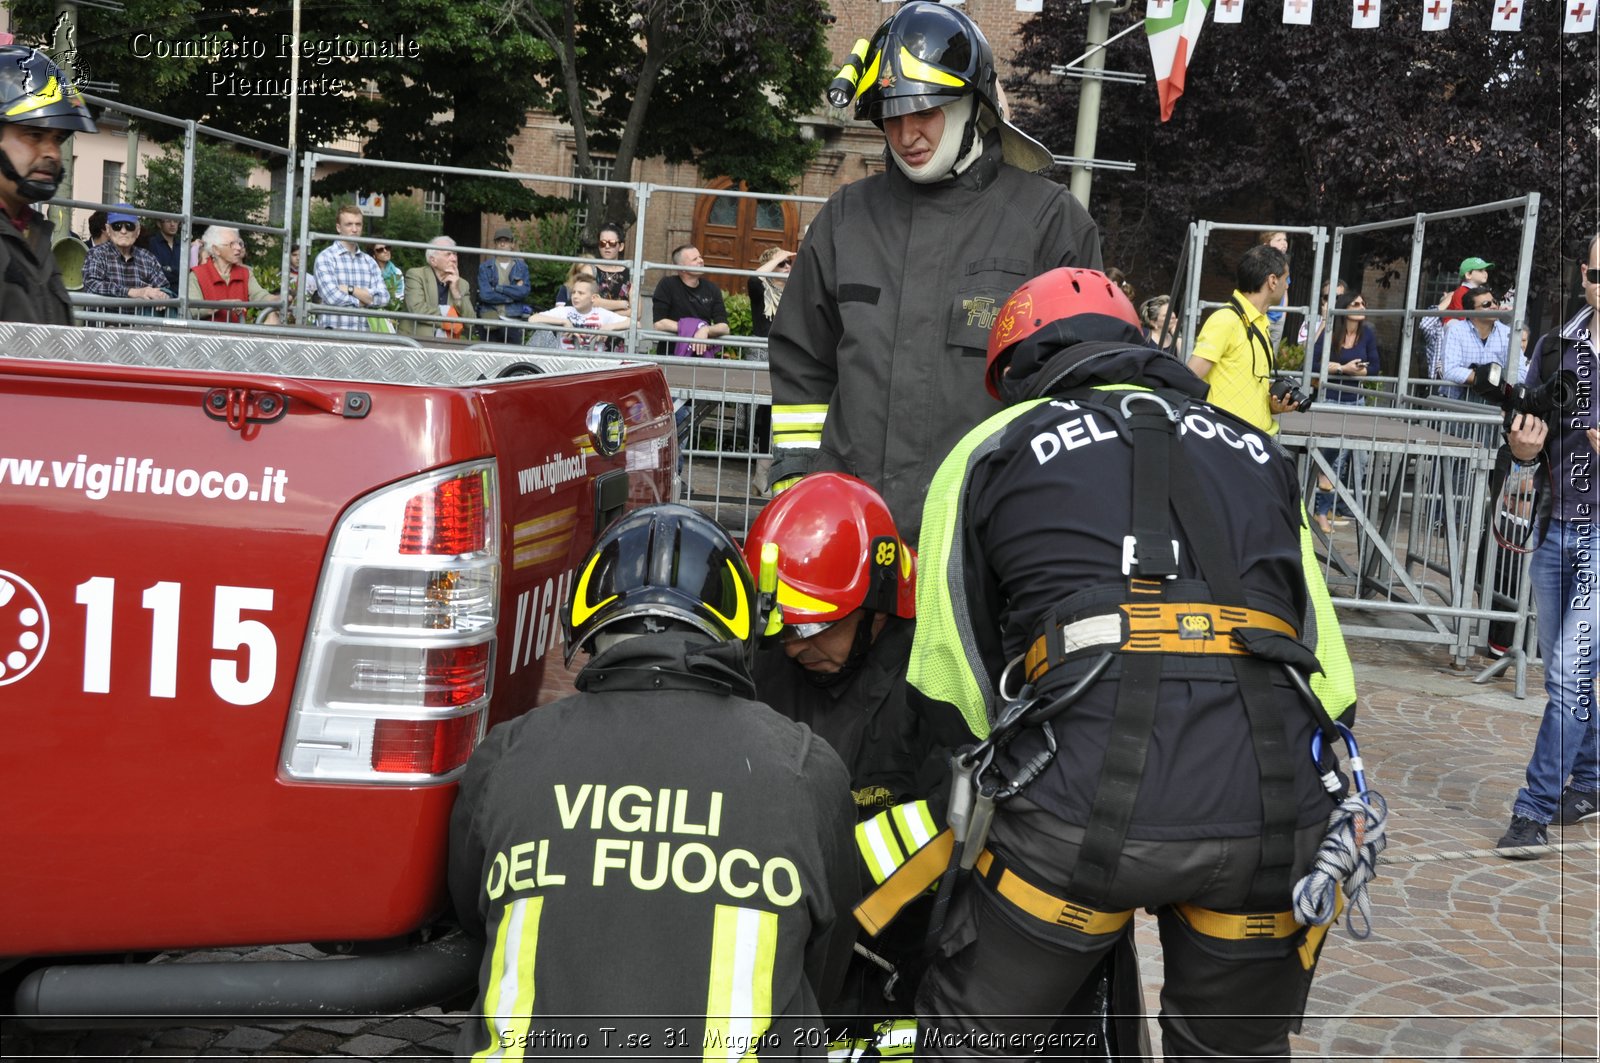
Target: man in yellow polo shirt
[1233,353]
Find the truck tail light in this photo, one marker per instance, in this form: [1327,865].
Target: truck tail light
[430,747]
[399,666]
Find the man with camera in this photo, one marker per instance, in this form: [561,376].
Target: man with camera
[1233,353]
[1564,573]
[1470,342]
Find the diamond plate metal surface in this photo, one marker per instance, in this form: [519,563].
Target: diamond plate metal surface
[299,353]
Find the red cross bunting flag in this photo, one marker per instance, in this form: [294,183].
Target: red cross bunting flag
[1364,14]
[1297,12]
[1507,17]
[1580,16]
[1173,29]
[1435,14]
[1227,11]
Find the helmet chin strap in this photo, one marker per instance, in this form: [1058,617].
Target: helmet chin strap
[30,190]
[954,154]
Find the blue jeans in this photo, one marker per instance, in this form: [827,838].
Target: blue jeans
[1564,571]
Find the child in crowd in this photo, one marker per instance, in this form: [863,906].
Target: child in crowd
[582,313]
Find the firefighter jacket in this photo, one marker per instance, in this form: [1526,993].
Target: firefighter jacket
[32,290]
[1032,513]
[877,351]
[893,753]
[657,846]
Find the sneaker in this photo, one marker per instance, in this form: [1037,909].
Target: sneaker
[1577,806]
[1525,835]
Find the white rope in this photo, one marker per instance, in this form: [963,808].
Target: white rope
[1357,833]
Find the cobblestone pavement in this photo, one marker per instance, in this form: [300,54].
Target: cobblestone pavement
[1471,955]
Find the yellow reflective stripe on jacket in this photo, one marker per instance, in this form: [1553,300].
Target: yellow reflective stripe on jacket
[890,838]
[798,425]
[508,1005]
[880,849]
[1335,685]
[744,945]
[915,823]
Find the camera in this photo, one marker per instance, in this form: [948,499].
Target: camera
[1286,390]
[1559,394]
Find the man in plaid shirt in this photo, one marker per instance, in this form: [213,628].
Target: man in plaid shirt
[347,275]
[117,268]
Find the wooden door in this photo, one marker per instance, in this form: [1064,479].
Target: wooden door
[734,231]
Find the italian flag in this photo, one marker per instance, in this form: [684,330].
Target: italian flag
[1173,27]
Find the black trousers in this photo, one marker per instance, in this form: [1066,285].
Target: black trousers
[1001,977]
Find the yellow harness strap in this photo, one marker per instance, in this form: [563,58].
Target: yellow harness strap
[1158,627]
[1046,906]
[910,881]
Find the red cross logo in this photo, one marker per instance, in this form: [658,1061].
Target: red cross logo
[1298,5]
[1438,8]
[1229,5]
[1365,7]
[1580,12]
[1508,9]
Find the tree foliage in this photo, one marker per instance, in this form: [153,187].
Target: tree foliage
[1329,125]
[220,190]
[720,83]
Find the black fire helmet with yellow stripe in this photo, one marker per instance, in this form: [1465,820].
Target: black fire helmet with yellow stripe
[663,565]
[927,55]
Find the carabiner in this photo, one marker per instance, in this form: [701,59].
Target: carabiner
[1358,770]
[1148,396]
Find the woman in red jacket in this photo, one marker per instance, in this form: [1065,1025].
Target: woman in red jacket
[222,276]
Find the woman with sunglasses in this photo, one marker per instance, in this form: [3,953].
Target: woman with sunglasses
[393,279]
[616,281]
[1347,349]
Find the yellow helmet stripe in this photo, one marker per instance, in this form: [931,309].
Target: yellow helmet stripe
[581,609]
[791,598]
[51,93]
[917,70]
[739,622]
[871,74]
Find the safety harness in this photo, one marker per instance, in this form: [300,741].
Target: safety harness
[1155,615]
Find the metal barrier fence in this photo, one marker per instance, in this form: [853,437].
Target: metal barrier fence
[106,310]
[1411,468]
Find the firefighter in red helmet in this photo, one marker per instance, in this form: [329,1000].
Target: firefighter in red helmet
[1113,595]
[847,590]
[847,593]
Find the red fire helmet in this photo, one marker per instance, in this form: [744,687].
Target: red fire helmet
[1057,296]
[838,550]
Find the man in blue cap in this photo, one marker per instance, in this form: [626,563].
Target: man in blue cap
[119,268]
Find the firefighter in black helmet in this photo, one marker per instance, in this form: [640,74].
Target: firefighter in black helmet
[39,110]
[877,347]
[659,851]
